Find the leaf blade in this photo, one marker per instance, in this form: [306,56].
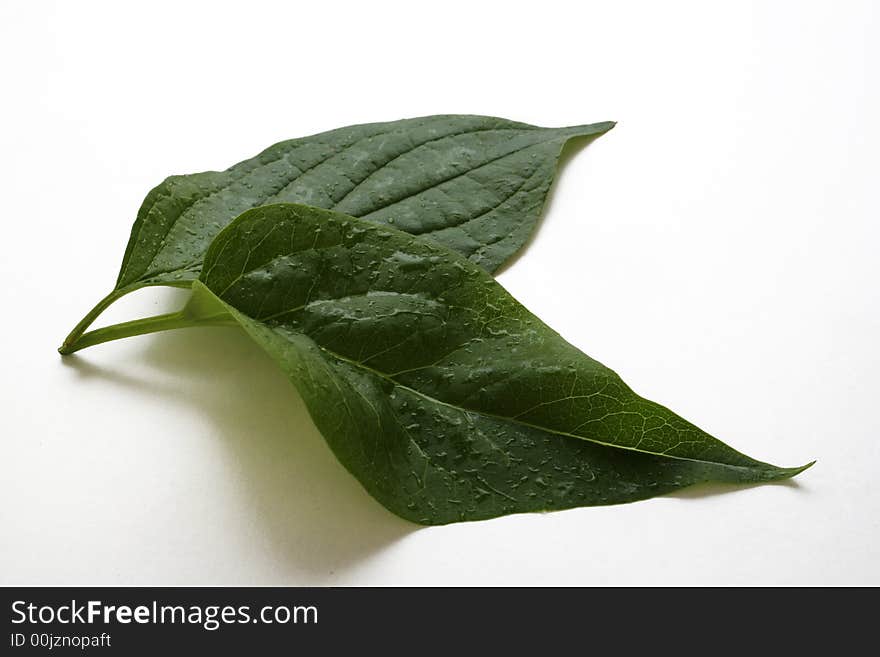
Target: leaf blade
[379,171]
[312,287]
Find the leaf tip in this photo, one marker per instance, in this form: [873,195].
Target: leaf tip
[788,473]
[602,127]
[805,467]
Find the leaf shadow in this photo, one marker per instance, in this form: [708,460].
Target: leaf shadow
[571,149]
[317,517]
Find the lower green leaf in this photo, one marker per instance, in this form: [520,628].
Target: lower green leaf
[441,393]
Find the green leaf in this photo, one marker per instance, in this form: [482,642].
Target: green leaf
[473,183]
[442,394]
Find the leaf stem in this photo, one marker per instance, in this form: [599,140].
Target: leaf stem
[180,319]
[90,317]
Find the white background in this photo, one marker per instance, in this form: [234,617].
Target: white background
[719,249]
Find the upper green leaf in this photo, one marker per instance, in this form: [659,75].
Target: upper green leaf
[441,393]
[473,183]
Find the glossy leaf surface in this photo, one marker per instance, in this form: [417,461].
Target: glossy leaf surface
[442,394]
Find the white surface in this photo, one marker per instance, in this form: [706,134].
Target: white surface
[718,249]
